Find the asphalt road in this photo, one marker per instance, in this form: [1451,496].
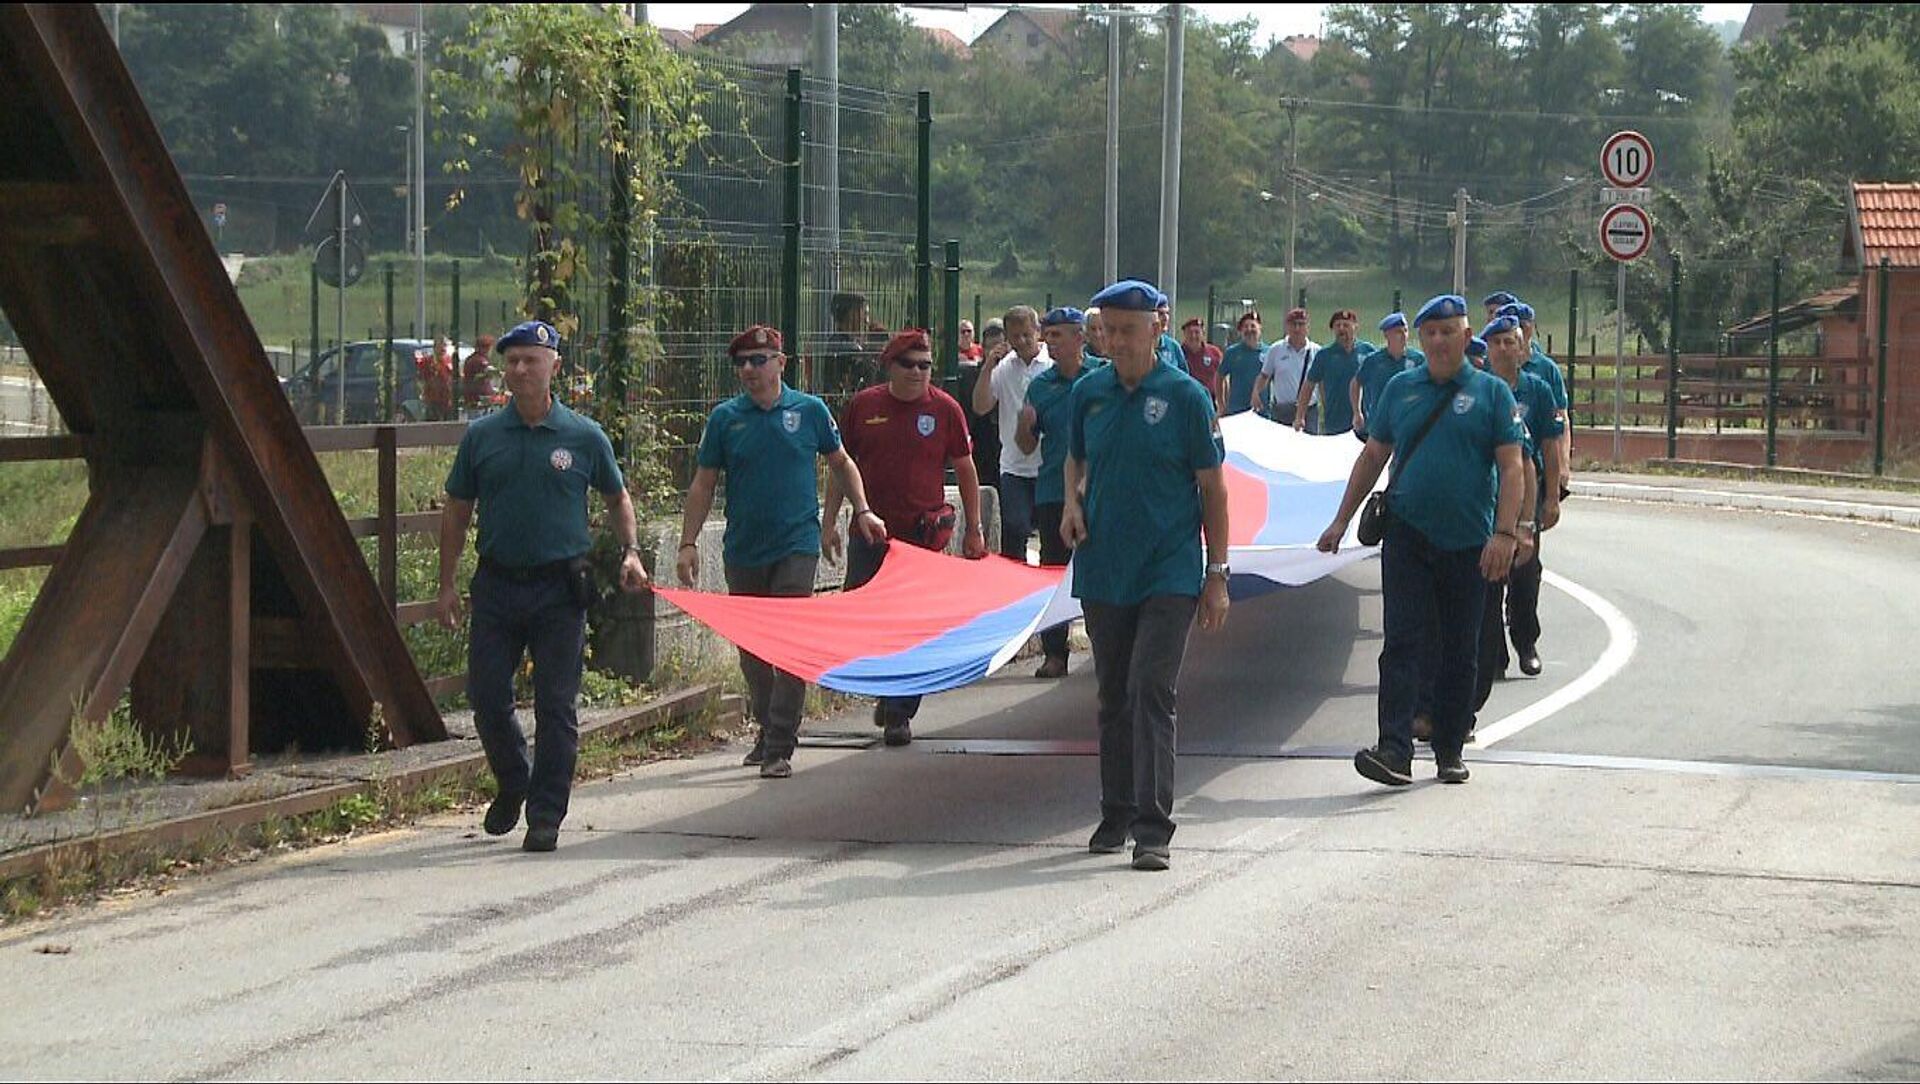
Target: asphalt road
[1673,875]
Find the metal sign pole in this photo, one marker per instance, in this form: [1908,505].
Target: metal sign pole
[1619,356]
[340,309]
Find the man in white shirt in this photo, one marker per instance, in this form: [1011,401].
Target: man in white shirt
[1003,386]
[1285,368]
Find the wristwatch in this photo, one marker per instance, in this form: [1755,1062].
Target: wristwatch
[1221,570]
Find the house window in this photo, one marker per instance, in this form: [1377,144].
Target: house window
[1033,39]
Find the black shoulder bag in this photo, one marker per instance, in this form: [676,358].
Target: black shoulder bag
[1377,514]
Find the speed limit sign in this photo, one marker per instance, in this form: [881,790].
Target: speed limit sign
[1626,159]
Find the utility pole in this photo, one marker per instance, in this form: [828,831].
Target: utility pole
[1111,262]
[420,169]
[1170,152]
[1460,241]
[1293,189]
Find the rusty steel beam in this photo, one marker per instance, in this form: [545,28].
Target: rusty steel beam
[192,313]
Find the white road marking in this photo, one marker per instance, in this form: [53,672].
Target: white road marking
[1622,638]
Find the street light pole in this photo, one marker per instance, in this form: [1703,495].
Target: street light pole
[420,170]
[1111,250]
[1170,152]
[1293,190]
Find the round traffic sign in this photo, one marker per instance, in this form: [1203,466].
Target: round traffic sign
[1626,159]
[1626,232]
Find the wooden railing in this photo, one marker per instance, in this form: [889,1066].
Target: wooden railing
[1719,392]
[387,524]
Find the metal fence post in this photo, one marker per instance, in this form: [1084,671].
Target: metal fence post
[1773,370]
[950,327]
[1880,377]
[313,310]
[790,221]
[1396,299]
[978,327]
[1573,335]
[386,357]
[1206,330]
[923,231]
[454,331]
[1673,358]
[1302,302]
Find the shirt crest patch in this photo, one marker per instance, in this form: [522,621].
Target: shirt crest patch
[561,459]
[1462,403]
[1156,409]
[790,420]
[924,423]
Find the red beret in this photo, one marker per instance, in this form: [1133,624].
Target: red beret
[757,337]
[905,341]
[1343,314]
[1296,314]
[1193,321]
[1250,314]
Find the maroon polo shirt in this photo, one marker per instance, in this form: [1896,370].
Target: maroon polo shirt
[902,450]
[1204,365]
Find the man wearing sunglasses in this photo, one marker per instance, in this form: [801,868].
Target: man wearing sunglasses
[766,439]
[903,435]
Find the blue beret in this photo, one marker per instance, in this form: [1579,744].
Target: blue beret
[1129,295]
[1394,320]
[1441,308]
[1066,314]
[1519,310]
[1499,297]
[531,333]
[1476,347]
[1499,325]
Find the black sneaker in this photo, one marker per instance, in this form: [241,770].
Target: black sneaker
[880,716]
[1381,768]
[1530,662]
[1452,768]
[776,768]
[503,815]
[1054,667]
[1151,859]
[755,757]
[1109,838]
[540,840]
[898,732]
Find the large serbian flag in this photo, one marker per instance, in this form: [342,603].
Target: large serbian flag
[929,622]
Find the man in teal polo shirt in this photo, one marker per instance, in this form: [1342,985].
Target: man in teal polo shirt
[1448,536]
[1167,348]
[1240,369]
[1044,424]
[1143,480]
[1381,366]
[1534,405]
[1331,374]
[529,468]
[1523,596]
[766,439]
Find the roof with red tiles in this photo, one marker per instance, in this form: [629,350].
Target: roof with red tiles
[1885,221]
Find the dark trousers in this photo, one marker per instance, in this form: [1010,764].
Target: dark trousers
[1432,600]
[863,563]
[510,619]
[1016,515]
[1494,659]
[1137,653]
[777,697]
[1054,553]
[1523,601]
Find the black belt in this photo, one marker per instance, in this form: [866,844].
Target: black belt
[525,574]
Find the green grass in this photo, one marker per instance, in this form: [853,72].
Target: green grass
[276,293]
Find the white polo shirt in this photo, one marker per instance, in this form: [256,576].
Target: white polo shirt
[1009,382]
[1286,366]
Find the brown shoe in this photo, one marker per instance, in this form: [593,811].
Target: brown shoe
[1054,667]
[1423,727]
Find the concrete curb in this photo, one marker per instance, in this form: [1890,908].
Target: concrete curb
[1899,515]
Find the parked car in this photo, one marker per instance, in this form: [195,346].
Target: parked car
[315,392]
